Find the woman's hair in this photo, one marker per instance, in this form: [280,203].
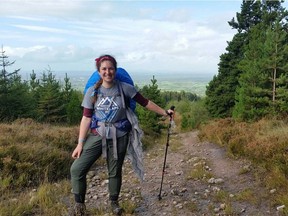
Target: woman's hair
[99,60]
[105,58]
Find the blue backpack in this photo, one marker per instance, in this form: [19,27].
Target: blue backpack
[121,75]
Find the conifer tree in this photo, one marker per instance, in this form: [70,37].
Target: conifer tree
[50,103]
[276,67]
[34,82]
[251,97]
[73,108]
[72,102]
[67,89]
[15,101]
[150,120]
[221,91]
[263,83]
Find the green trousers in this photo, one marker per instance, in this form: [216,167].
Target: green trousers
[92,150]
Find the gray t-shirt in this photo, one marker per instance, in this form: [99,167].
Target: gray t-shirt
[109,107]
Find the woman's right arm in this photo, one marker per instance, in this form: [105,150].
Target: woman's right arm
[84,127]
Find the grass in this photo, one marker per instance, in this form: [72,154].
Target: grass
[174,143]
[222,196]
[229,210]
[128,206]
[247,195]
[265,144]
[35,160]
[34,157]
[97,211]
[46,200]
[244,170]
[199,171]
[34,169]
[33,153]
[191,206]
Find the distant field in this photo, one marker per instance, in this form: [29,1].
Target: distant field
[187,86]
[194,83]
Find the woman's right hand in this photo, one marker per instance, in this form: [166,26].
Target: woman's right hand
[77,151]
[84,127]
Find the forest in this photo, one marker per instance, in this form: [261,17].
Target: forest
[45,100]
[252,76]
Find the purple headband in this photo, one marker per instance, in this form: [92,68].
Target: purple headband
[102,58]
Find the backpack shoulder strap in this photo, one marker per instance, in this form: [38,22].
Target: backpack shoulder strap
[123,98]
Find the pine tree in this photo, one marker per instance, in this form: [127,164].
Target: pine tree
[276,67]
[73,108]
[221,91]
[251,97]
[50,103]
[14,94]
[67,89]
[34,82]
[150,120]
[263,83]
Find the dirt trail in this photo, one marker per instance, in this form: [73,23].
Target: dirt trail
[228,188]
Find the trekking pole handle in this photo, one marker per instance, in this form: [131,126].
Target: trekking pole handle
[170,114]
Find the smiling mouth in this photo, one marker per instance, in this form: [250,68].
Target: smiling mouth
[108,76]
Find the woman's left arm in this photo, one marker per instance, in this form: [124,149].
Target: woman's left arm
[150,105]
[155,108]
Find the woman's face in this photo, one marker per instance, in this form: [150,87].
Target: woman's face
[107,71]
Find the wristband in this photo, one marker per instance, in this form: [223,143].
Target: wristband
[81,140]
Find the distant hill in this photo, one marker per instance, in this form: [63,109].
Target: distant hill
[189,82]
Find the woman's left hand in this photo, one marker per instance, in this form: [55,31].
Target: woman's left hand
[170,112]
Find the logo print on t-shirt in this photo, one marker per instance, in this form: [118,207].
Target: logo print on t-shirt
[107,109]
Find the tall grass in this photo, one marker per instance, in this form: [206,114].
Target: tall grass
[34,167]
[46,200]
[33,155]
[265,143]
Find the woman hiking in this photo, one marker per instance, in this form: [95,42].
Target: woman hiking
[105,129]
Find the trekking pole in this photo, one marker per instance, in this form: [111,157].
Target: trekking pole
[166,150]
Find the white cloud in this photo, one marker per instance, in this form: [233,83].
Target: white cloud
[38,7]
[26,18]
[41,28]
[179,15]
[21,51]
[70,34]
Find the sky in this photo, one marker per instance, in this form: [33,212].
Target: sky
[173,36]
